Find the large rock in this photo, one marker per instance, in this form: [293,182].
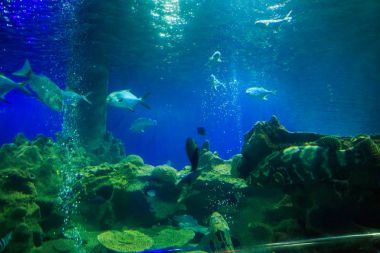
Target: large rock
[127,193]
[28,172]
[265,138]
[323,184]
[213,188]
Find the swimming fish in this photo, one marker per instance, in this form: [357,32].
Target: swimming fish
[192,152]
[151,193]
[268,22]
[189,222]
[201,131]
[125,99]
[6,85]
[216,84]
[277,6]
[5,241]
[72,98]
[47,91]
[260,92]
[140,124]
[215,57]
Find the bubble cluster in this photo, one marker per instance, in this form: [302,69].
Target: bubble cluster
[70,173]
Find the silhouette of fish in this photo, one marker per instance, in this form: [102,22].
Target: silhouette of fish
[192,152]
[5,241]
[201,131]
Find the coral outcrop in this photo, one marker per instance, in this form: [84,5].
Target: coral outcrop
[127,241]
[307,183]
[213,189]
[282,186]
[28,176]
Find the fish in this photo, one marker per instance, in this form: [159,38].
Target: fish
[151,193]
[45,89]
[260,92]
[5,241]
[140,124]
[268,22]
[201,131]
[192,152]
[215,57]
[189,222]
[277,6]
[126,99]
[6,85]
[216,84]
[72,98]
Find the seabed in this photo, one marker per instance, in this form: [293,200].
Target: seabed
[285,192]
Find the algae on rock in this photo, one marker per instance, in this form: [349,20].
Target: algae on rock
[126,241]
[171,237]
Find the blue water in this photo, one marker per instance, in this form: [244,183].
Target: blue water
[324,64]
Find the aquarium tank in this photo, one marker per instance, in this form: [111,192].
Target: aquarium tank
[159,126]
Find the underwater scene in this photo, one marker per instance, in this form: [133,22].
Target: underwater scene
[159,126]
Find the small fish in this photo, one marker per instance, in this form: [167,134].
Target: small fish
[5,241]
[216,84]
[260,92]
[47,91]
[216,57]
[140,124]
[189,222]
[151,193]
[276,6]
[201,131]
[72,98]
[125,99]
[268,22]
[6,85]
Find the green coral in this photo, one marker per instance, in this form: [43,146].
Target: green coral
[329,142]
[166,237]
[126,241]
[134,159]
[56,246]
[165,174]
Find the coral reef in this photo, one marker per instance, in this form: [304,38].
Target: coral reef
[266,137]
[168,237]
[28,185]
[282,186]
[306,184]
[214,188]
[125,241]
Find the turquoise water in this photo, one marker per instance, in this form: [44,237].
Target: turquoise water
[191,63]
